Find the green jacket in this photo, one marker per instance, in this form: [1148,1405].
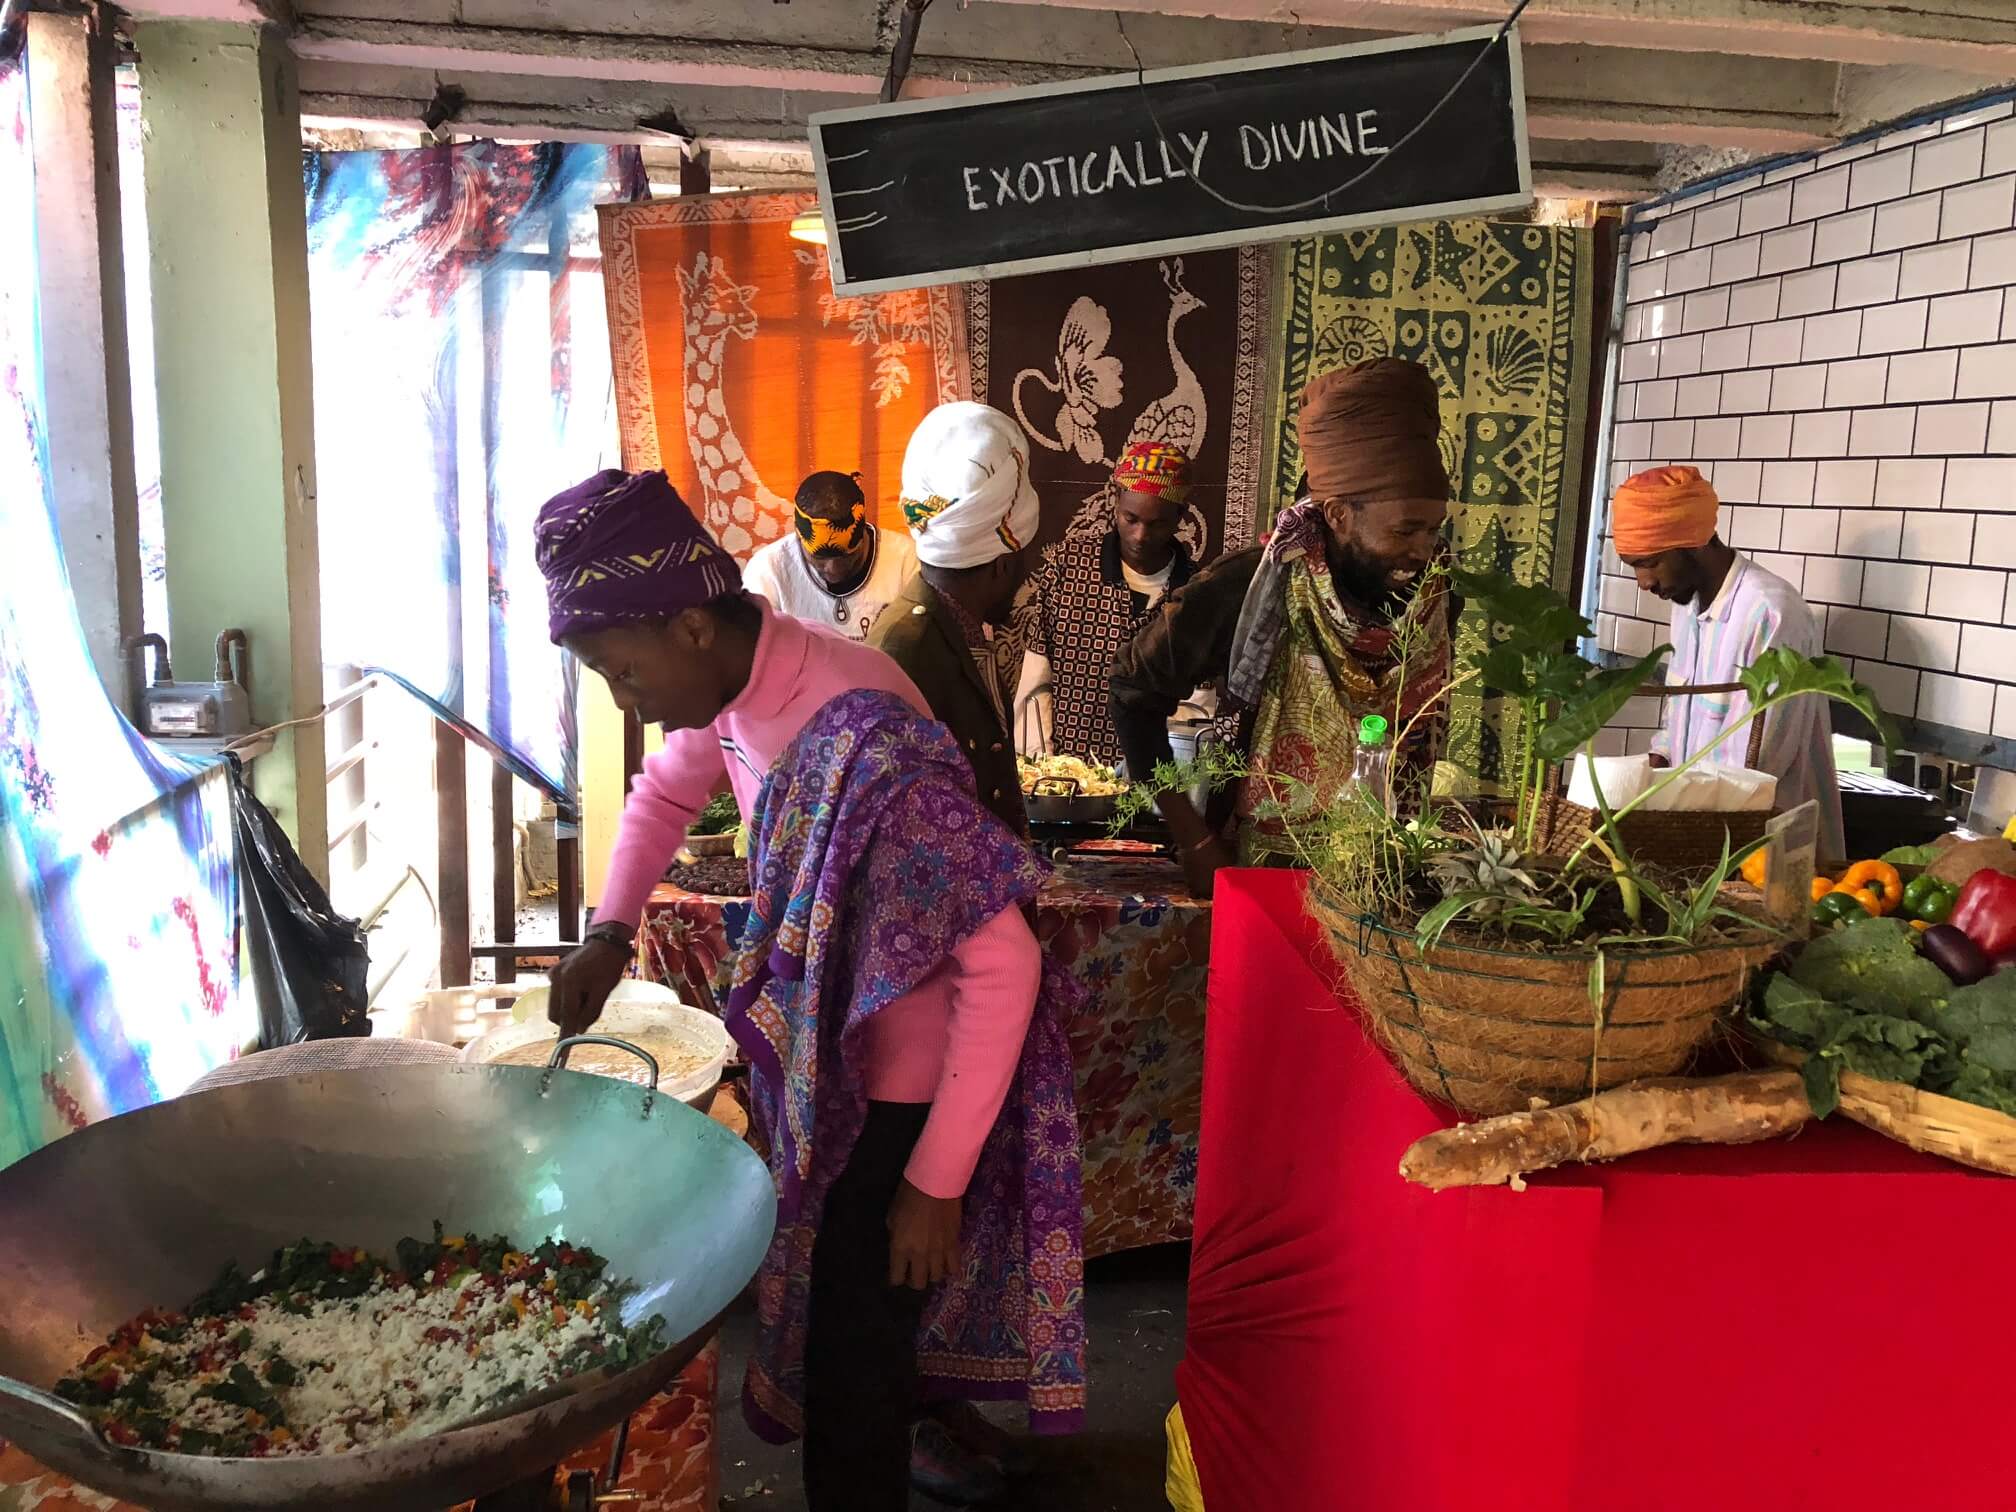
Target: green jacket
[926,642]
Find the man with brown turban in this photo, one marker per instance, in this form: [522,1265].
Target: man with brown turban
[1336,617]
[1727,611]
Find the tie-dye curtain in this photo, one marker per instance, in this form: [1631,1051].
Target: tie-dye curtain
[118,904]
[461,378]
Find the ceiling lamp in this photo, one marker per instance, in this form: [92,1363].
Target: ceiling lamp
[809,227]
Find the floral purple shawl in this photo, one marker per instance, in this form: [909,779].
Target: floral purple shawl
[872,802]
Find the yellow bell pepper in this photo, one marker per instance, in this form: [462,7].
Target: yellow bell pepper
[1821,887]
[1753,868]
[1879,877]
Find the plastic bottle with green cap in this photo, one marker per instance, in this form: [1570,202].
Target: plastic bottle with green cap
[1369,768]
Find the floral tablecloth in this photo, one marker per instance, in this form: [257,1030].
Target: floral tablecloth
[1130,931]
[670,1457]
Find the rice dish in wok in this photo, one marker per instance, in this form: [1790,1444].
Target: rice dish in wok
[331,1349]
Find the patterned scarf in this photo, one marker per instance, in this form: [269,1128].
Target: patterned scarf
[822,537]
[1336,665]
[1297,535]
[873,802]
[621,547]
[1155,468]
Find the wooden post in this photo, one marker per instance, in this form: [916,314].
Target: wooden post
[227,231]
[88,392]
[633,750]
[451,790]
[503,869]
[568,851]
[696,172]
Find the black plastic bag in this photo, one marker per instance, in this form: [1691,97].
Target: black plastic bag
[308,962]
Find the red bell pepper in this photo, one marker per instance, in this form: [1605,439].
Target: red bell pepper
[1986,913]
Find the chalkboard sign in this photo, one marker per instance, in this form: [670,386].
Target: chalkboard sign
[1103,170]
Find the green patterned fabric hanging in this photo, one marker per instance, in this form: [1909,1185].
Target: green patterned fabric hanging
[1500,314]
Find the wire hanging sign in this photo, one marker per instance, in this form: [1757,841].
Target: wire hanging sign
[1163,161]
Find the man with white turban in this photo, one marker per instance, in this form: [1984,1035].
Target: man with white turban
[972,513]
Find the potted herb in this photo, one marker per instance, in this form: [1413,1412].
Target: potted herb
[1501,955]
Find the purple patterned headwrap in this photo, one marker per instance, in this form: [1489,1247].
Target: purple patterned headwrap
[624,546]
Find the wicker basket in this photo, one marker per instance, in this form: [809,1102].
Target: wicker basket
[1489,1030]
[1963,1132]
[1680,843]
[1677,842]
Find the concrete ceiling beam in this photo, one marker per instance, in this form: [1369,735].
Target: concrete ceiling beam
[758,137]
[237,12]
[326,111]
[1751,130]
[647,60]
[1645,96]
[1975,37]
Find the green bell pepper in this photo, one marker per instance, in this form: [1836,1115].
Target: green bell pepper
[1929,899]
[1835,907]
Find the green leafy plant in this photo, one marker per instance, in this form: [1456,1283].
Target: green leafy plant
[719,817]
[1436,865]
[1488,868]
[1775,678]
[1214,767]
[1564,701]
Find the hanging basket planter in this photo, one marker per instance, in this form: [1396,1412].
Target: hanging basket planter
[1488,1030]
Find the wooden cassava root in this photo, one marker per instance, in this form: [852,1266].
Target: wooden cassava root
[1738,1109]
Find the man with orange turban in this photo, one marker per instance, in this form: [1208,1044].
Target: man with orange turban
[1727,611]
[1335,618]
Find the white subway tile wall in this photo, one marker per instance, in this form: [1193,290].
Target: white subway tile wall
[1868,280]
[1939,538]
[1851,235]
[1834,344]
[1959,320]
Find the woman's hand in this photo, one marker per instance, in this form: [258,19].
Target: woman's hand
[923,1238]
[582,982]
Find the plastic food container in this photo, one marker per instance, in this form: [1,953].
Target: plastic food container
[634,1008]
[451,1015]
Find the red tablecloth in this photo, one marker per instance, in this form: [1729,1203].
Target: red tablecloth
[1132,934]
[1818,1322]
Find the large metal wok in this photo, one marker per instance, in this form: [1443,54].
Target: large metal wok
[141,1211]
[1056,800]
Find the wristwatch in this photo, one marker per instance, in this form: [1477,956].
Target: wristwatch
[622,936]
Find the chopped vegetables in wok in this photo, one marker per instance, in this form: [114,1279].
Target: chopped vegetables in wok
[331,1349]
[1058,775]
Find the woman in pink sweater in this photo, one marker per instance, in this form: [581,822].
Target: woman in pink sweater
[890,993]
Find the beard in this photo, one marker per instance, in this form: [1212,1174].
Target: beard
[1368,580]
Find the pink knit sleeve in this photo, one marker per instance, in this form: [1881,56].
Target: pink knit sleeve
[996,974]
[666,797]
